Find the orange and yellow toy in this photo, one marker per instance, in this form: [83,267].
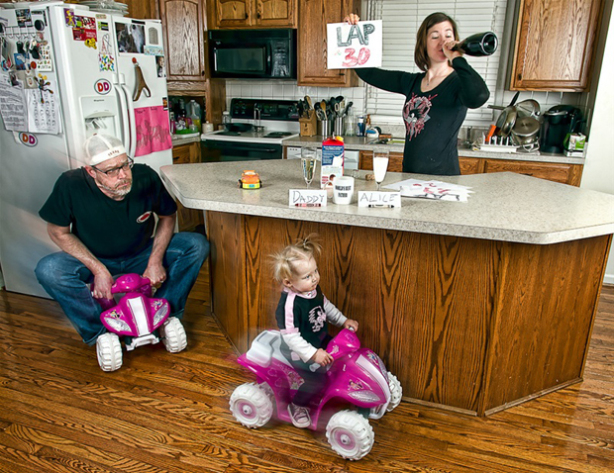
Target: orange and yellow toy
[250,180]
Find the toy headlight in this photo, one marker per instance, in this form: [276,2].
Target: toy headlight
[365,396]
[160,314]
[117,325]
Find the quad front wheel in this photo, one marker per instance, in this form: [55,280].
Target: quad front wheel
[350,434]
[109,352]
[173,335]
[251,405]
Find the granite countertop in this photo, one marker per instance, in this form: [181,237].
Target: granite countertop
[361,144]
[505,206]
[186,139]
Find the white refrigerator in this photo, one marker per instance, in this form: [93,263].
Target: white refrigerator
[67,72]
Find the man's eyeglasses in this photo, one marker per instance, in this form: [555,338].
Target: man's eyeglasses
[114,172]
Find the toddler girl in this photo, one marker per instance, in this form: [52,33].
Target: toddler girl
[302,315]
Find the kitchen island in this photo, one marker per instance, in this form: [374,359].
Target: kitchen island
[475,306]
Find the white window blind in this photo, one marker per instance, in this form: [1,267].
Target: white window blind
[401,20]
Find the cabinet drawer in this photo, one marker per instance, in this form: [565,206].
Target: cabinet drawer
[557,172]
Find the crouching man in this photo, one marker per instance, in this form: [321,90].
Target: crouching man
[102,218]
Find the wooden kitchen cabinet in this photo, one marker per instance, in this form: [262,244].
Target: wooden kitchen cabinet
[252,14]
[314,15]
[558,172]
[184,26]
[142,9]
[555,42]
[187,219]
[395,162]
[184,42]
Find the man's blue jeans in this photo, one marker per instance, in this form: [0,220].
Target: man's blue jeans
[65,278]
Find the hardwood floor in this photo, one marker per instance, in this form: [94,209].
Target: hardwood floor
[163,412]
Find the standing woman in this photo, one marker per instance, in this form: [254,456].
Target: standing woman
[436,100]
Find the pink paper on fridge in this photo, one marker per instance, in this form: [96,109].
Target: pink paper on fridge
[152,130]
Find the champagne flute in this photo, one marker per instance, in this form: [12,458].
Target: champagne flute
[308,163]
[380,165]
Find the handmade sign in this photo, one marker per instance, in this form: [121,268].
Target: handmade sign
[377,199]
[307,198]
[354,46]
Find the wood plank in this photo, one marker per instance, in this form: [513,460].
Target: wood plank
[166,412]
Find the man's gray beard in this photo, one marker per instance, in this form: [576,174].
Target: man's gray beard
[117,192]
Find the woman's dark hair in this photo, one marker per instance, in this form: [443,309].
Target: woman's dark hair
[421,56]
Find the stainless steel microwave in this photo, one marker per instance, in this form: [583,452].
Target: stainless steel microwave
[253,54]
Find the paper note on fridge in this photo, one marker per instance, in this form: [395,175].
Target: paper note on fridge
[13,103]
[354,46]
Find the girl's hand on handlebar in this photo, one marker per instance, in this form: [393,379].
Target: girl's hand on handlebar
[322,357]
[352,19]
[351,325]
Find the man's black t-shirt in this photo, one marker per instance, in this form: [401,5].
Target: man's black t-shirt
[109,228]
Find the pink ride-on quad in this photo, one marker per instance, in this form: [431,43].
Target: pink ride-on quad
[137,315]
[357,378]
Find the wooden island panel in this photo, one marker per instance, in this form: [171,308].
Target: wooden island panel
[466,324]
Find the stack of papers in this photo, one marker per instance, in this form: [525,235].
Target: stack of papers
[436,190]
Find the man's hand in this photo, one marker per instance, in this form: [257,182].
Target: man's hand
[156,273]
[351,324]
[322,357]
[102,285]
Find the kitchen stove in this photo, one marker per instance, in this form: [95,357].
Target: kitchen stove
[257,130]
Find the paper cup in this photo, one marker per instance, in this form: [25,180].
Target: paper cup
[343,190]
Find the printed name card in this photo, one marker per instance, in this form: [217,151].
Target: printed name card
[375,199]
[354,46]
[307,198]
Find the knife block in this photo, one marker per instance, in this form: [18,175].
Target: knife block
[309,126]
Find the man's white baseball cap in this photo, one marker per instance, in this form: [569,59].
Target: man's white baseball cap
[99,148]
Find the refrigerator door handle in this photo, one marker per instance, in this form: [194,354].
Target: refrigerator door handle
[123,107]
[131,121]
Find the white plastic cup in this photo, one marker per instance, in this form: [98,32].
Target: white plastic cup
[343,190]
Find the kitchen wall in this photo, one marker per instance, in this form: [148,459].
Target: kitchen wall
[288,90]
[598,174]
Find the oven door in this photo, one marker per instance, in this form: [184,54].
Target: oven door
[218,151]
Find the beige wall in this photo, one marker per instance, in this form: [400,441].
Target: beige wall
[598,172]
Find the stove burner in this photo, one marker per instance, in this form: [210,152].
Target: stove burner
[278,134]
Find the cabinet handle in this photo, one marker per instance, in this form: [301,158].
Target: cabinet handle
[202,73]
[519,76]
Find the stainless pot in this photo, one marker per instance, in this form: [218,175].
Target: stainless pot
[525,131]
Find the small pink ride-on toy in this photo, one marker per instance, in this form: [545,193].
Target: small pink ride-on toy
[357,379]
[136,315]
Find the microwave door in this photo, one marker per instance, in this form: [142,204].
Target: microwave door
[248,61]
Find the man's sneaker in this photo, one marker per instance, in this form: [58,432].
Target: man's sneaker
[299,415]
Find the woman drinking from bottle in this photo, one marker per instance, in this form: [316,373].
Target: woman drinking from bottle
[436,100]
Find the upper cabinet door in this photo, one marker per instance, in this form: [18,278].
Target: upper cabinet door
[184,40]
[312,46]
[555,42]
[276,13]
[232,13]
[252,13]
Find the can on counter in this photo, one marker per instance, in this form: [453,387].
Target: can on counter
[361,126]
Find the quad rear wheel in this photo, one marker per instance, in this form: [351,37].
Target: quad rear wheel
[251,405]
